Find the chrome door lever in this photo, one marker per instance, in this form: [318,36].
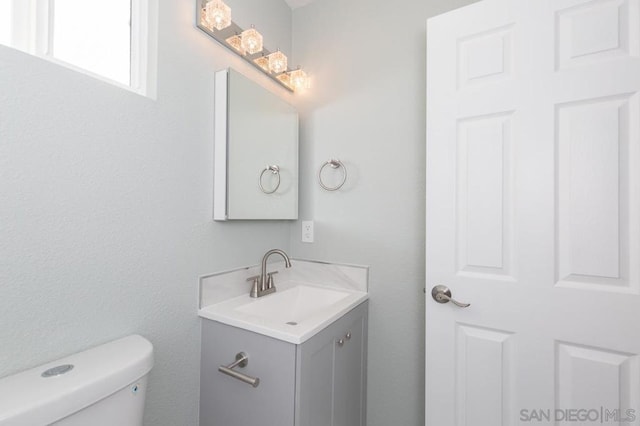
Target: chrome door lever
[442,294]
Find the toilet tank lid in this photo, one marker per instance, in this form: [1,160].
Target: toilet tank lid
[28,399]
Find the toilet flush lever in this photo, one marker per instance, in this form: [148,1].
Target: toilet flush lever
[442,294]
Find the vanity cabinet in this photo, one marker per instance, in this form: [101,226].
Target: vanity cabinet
[317,383]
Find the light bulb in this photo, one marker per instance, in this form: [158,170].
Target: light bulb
[251,41]
[299,79]
[217,15]
[277,62]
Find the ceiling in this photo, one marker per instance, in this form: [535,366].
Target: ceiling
[298,3]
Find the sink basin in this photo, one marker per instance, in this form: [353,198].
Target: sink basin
[294,313]
[295,305]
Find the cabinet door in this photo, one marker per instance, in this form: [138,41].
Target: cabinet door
[314,377]
[330,378]
[225,401]
[350,376]
[256,151]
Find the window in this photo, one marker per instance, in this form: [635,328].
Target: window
[97,40]
[5,22]
[106,39]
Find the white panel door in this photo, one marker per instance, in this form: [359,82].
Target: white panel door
[533,213]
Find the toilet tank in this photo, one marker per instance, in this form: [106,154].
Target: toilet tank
[102,386]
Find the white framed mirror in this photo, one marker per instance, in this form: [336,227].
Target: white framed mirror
[256,152]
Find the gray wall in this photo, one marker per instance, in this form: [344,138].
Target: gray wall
[367,107]
[105,207]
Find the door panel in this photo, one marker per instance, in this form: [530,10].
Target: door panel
[484,203]
[533,214]
[593,193]
[484,375]
[594,377]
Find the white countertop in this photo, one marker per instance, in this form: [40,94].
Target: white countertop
[294,313]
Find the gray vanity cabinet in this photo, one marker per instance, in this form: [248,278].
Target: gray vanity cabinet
[321,382]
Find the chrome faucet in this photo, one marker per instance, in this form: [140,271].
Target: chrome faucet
[263,284]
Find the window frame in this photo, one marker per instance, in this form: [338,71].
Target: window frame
[34,35]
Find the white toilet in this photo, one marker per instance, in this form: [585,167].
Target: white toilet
[103,386]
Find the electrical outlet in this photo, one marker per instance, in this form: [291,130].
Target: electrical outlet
[307,231]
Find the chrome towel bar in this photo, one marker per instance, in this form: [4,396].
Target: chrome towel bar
[242,360]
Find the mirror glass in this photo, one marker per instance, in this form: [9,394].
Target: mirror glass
[256,151]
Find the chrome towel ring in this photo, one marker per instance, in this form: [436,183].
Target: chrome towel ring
[335,164]
[276,171]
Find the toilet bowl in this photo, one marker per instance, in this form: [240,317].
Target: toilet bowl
[102,386]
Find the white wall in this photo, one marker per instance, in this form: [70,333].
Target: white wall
[367,107]
[105,195]
[105,207]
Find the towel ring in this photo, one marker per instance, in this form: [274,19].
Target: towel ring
[276,171]
[334,165]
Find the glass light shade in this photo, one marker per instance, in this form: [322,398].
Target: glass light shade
[277,62]
[236,42]
[285,79]
[299,80]
[251,41]
[262,62]
[217,15]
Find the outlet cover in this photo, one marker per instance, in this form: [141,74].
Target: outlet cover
[307,231]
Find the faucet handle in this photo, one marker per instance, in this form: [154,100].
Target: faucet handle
[270,283]
[255,280]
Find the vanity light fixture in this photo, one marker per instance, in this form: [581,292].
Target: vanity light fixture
[299,79]
[251,41]
[214,19]
[277,62]
[285,80]
[217,15]
[236,43]
[263,63]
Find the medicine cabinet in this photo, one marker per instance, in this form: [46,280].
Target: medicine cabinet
[256,151]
